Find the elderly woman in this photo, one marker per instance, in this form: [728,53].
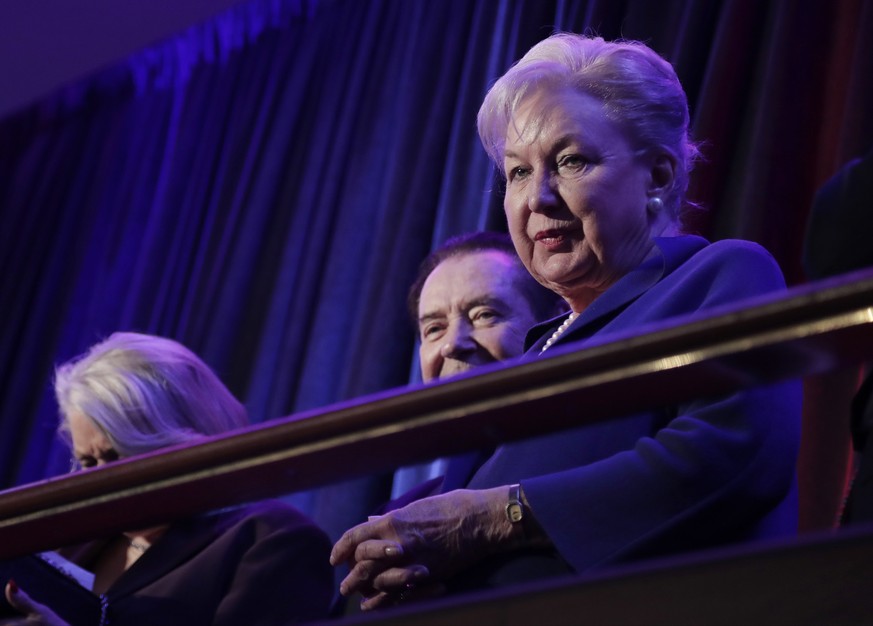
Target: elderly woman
[592,138]
[263,563]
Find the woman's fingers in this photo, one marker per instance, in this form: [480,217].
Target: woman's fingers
[400,578]
[376,600]
[371,559]
[32,612]
[370,577]
[373,539]
[389,552]
[406,594]
[19,600]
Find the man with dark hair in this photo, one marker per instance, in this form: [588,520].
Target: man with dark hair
[473,302]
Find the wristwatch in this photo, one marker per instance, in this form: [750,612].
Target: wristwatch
[514,508]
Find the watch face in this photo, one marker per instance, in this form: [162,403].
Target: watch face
[515,511]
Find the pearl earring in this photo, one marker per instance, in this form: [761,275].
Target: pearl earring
[655,205]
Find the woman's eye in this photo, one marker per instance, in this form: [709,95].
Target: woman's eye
[572,161]
[86,462]
[517,172]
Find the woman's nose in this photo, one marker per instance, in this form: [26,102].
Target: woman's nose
[543,196]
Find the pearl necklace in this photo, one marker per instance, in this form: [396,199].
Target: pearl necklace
[564,325]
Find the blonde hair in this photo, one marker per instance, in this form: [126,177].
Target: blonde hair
[145,392]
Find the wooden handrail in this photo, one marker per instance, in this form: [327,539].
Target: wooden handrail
[805,331]
[816,579]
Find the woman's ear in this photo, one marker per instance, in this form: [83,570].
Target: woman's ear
[661,211]
[663,173]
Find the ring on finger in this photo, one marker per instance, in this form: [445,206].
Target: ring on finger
[407,588]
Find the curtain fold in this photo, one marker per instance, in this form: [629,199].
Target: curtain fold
[263,186]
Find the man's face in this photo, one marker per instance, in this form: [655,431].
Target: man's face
[472,311]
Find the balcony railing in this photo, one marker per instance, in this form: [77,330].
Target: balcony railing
[809,330]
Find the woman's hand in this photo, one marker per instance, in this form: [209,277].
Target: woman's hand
[408,552]
[32,612]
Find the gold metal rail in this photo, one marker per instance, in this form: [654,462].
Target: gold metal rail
[806,331]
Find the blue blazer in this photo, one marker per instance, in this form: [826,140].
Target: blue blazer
[701,474]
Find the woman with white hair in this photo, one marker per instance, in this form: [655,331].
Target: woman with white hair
[262,563]
[592,138]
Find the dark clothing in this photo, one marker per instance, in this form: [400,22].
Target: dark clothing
[259,564]
[838,241]
[859,504]
[701,474]
[841,222]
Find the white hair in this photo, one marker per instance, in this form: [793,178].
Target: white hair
[144,393]
[638,88]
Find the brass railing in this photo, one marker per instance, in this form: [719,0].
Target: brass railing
[808,330]
[813,580]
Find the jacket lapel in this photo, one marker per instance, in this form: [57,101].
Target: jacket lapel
[178,544]
[669,253]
